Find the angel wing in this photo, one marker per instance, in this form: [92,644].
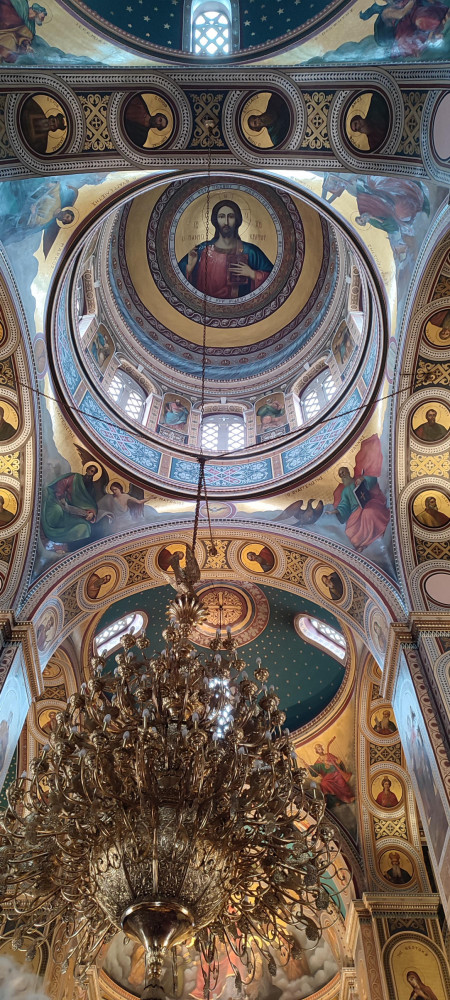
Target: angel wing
[51,231]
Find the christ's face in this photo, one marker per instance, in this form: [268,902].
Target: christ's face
[226,220]
[159,122]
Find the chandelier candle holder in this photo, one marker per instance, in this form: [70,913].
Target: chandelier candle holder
[168,803]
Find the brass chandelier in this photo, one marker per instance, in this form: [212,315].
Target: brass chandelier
[168,803]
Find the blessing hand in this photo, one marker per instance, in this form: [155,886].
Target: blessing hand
[244,269]
[191,261]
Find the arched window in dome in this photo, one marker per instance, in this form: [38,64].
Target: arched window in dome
[322,635]
[317,394]
[110,637]
[223,432]
[211,27]
[127,395]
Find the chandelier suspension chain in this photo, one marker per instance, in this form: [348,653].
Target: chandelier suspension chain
[201,458]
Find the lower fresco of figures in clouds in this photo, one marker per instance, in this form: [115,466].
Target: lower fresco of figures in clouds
[312,968]
[347,504]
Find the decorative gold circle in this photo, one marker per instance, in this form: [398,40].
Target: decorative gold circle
[168,550]
[437,329]
[226,606]
[361,107]
[95,588]
[191,228]
[156,105]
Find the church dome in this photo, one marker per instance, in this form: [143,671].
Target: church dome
[292,331]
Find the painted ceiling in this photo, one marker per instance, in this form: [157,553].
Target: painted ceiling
[288,33]
[346,271]
[305,677]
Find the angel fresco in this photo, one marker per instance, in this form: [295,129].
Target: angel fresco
[125,509]
[358,501]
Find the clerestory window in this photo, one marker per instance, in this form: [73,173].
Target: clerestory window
[127,395]
[322,635]
[317,395]
[223,432]
[110,637]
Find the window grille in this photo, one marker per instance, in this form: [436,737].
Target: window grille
[223,432]
[317,395]
[127,395]
[211,33]
[109,638]
[322,635]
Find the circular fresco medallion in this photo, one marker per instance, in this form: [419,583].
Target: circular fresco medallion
[46,629]
[43,123]
[9,420]
[257,558]
[236,245]
[148,120]
[243,609]
[52,670]
[431,421]
[382,722]
[217,508]
[8,507]
[329,583]
[431,509]
[440,132]
[265,120]
[396,867]
[386,791]
[250,249]
[437,586]
[367,122]
[437,329]
[101,582]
